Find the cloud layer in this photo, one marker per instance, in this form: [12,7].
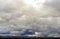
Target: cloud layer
[16,15]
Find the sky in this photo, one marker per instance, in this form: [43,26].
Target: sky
[41,15]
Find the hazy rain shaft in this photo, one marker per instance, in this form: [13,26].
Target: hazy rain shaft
[41,15]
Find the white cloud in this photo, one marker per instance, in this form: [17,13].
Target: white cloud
[15,15]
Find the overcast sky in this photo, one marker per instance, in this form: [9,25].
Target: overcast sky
[22,15]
